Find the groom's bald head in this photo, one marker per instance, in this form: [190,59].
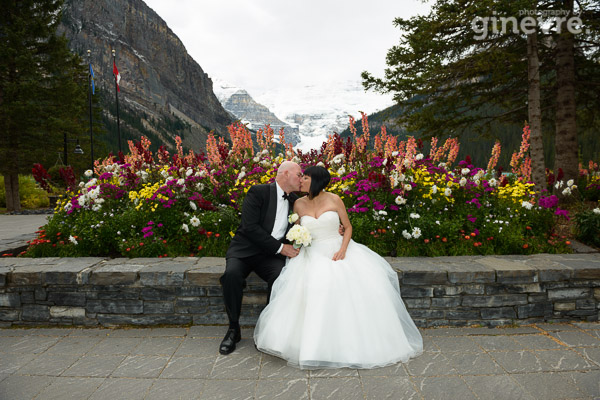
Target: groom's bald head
[289,176]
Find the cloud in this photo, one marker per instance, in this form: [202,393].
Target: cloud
[261,44]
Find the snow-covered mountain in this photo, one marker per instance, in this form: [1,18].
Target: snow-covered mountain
[242,106]
[317,110]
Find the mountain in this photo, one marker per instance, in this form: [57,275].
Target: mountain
[164,92]
[321,109]
[243,107]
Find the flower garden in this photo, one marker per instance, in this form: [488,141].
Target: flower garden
[401,200]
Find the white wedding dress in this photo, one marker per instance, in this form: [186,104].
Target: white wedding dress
[334,314]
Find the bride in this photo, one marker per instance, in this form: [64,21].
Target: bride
[337,304]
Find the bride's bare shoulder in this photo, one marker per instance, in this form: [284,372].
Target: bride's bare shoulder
[332,196]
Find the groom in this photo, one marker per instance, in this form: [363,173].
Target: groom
[258,244]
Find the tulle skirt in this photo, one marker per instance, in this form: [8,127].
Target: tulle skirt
[334,314]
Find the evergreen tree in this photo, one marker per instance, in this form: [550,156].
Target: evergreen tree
[42,89]
[465,65]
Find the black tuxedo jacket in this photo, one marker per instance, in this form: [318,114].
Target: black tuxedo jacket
[253,236]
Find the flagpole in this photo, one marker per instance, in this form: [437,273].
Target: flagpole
[89,52]
[117,97]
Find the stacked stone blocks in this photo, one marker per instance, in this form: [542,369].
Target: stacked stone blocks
[455,291]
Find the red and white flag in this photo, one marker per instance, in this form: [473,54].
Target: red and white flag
[117,75]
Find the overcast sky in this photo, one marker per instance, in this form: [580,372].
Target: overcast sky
[261,44]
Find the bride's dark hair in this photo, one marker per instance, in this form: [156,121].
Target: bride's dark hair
[319,179]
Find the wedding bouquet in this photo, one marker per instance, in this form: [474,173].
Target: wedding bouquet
[299,236]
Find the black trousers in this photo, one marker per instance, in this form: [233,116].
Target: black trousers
[267,267]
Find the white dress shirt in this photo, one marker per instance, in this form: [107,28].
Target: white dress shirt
[281,216]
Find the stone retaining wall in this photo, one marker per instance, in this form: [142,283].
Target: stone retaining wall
[438,291]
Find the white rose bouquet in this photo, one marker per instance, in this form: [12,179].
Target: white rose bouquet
[299,236]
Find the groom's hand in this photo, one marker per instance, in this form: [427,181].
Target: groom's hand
[289,251]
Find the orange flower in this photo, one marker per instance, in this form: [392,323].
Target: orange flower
[444,240]
[467,237]
[426,240]
[525,246]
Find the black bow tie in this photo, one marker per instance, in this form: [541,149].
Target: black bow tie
[286,196]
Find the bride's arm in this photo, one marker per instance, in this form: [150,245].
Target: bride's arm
[341,210]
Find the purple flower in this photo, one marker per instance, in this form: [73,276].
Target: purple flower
[471,218]
[563,213]
[548,202]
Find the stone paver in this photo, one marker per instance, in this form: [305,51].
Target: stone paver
[542,361]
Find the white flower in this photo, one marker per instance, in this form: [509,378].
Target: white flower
[299,235]
[465,171]
[119,233]
[194,221]
[384,163]
[199,186]
[434,189]
[96,207]
[493,182]
[264,152]
[185,228]
[527,205]
[463,181]
[401,177]
[596,210]
[181,181]
[293,218]
[72,239]
[320,164]
[88,173]
[341,171]
[558,184]
[394,153]
[82,200]
[437,222]
[164,173]
[406,234]
[400,200]
[570,182]
[447,192]
[442,165]
[193,206]
[382,212]
[189,172]
[416,232]
[408,187]
[419,157]
[91,182]
[566,191]
[68,207]
[414,216]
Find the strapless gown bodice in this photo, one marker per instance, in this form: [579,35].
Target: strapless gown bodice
[331,314]
[325,226]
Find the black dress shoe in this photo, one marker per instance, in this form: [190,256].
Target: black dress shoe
[231,338]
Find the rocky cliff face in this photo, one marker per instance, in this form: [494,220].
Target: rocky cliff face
[159,79]
[255,115]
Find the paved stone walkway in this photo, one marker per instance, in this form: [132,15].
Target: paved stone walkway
[16,230]
[542,361]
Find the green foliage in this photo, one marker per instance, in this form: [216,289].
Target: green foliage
[447,77]
[587,226]
[30,194]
